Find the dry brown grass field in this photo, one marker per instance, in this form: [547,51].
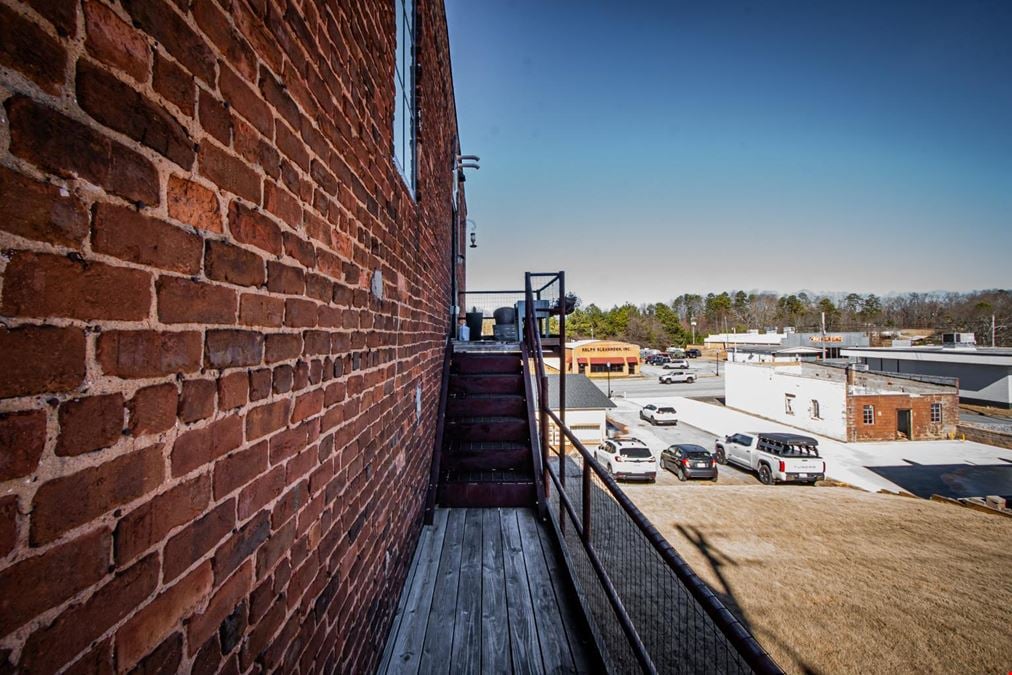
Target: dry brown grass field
[834,580]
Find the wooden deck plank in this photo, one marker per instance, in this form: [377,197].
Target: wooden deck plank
[466,653]
[525,648]
[439,631]
[398,619]
[580,638]
[495,648]
[407,648]
[555,651]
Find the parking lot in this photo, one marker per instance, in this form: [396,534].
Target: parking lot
[708,383]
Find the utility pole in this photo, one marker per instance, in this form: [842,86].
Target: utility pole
[992,330]
[823,336]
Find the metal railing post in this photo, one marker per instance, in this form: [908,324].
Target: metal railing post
[562,387]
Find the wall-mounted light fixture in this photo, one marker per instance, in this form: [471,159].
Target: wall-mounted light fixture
[474,229]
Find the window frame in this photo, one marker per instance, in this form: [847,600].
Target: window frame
[936,413]
[868,411]
[816,409]
[405,94]
[789,403]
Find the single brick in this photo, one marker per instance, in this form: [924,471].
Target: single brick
[260,384]
[300,313]
[261,310]
[152,624]
[41,211]
[225,262]
[153,409]
[122,107]
[174,83]
[42,285]
[233,348]
[233,390]
[266,419]
[260,492]
[89,424]
[152,521]
[284,379]
[197,538]
[239,469]
[215,118]
[25,47]
[192,203]
[184,301]
[66,502]
[198,447]
[22,440]
[300,249]
[197,400]
[282,347]
[307,405]
[115,42]
[126,234]
[283,278]
[40,359]
[228,172]
[33,585]
[254,228]
[148,353]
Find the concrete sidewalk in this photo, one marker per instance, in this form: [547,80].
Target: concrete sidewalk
[851,463]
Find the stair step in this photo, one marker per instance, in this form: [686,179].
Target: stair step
[486,405]
[486,429]
[486,384]
[484,364]
[486,456]
[486,489]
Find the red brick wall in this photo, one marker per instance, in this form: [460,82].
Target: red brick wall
[884,428]
[209,451]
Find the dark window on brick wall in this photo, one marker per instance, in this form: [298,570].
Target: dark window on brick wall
[869,414]
[936,412]
[405,113]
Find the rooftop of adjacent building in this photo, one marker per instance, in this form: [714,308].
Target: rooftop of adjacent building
[864,381]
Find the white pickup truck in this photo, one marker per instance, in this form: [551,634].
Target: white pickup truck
[775,457]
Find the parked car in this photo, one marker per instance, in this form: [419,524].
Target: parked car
[775,457]
[627,458]
[693,353]
[658,414]
[671,378]
[676,363]
[687,460]
[658,359]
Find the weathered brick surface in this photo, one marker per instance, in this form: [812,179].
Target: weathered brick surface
[209,455]
[39,211]
[89,424]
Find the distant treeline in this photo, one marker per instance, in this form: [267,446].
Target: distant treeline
[665,324]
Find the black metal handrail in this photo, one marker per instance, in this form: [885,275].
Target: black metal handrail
[437,448]
[734,632]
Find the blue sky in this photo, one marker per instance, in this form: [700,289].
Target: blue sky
[651,149]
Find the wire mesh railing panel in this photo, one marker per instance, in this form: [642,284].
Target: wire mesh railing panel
[675,630]
[487,302]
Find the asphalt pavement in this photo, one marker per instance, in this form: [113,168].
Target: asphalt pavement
[708,384]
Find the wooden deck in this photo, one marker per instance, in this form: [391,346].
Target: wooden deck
[485,593]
